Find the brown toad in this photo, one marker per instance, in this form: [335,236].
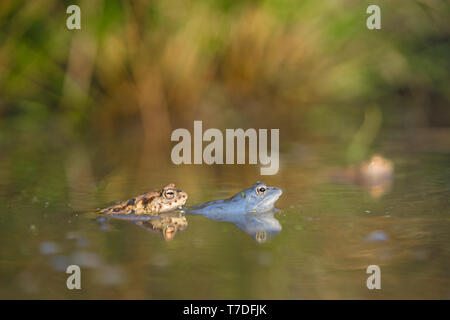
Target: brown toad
[151,203]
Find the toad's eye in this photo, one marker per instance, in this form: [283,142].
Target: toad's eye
[260,190]
[169,194]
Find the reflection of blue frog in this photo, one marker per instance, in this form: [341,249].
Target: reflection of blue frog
[261,226]
[251,210]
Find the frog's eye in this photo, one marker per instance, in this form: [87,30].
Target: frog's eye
[261,190]
[169,194]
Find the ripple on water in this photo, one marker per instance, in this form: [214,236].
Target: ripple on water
[111,275]
[377,236]
[48,247]
[86,259]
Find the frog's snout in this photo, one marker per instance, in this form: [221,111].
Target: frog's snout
[276,191]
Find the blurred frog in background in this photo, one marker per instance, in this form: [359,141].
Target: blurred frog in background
[375,175]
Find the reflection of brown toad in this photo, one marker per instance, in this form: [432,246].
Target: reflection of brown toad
[167,223]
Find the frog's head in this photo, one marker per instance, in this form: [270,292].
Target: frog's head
[169,198]
[259,198]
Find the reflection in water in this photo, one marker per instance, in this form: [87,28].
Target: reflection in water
[261,226]
[167,223]
[331,232]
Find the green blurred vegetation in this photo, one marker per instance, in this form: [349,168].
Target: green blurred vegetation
[112,92]
[158,65]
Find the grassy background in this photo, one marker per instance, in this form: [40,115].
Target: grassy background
[158,65]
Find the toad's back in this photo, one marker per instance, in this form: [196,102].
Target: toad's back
[152,203]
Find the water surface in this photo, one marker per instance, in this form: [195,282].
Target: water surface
[331,230]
